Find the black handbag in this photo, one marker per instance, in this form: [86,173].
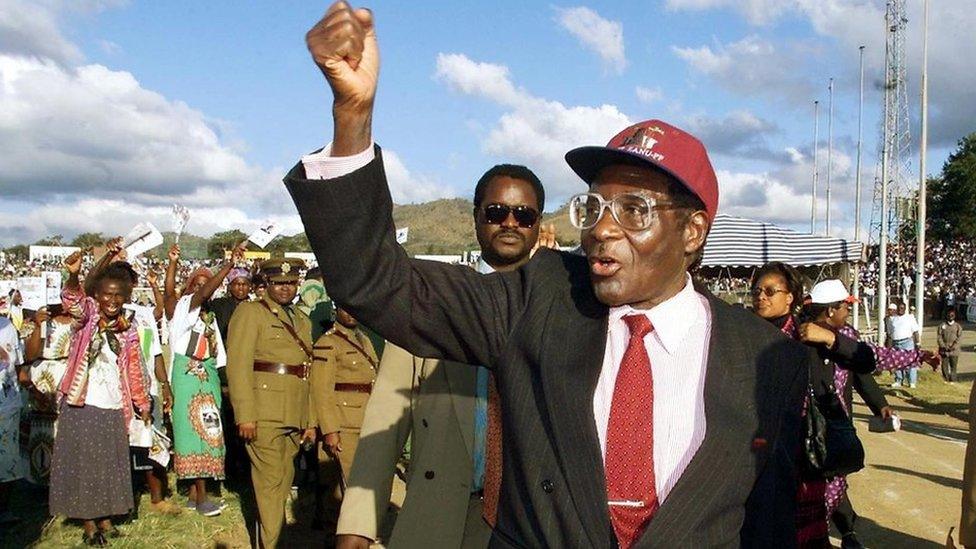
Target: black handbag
[831,445]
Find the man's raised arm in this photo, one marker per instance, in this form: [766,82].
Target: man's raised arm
[343,45]
[430,309]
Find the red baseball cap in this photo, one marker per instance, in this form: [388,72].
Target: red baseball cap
[657,144]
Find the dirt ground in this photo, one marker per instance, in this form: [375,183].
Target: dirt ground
[909,493]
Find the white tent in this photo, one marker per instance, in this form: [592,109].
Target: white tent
[740,242]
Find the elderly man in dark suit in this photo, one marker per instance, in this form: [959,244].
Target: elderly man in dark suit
[637,410]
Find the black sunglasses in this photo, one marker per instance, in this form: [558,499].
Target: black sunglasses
[496,214]
[770,292]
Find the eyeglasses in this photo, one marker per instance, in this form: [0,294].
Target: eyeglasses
[770,292]
[633,212]
[496,214]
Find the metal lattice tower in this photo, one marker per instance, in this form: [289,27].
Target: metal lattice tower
[893,204]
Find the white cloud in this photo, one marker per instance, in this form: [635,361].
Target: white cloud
[762,196]
[648,95]
[405,187]
[757,12]
[534,131]
[751,66]
[602,36]
[32,28]
[84,147]
[861,22]
[736,133]
[94,131]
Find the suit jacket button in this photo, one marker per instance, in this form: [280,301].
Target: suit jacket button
[429,475]
[547,486]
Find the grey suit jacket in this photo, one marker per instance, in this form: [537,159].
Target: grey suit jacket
[434,400]
[543,332]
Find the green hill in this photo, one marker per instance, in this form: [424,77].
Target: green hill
[446,226]
[443,226]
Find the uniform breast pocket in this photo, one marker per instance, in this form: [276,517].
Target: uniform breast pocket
[352,408]
[274,333]
[269,397]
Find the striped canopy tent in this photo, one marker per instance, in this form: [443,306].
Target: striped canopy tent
[739,242]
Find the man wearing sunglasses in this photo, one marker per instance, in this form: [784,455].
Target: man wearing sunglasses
[637,410]
[447,408]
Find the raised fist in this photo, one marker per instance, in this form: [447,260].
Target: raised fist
[114,246]
[73,262]
[343,45]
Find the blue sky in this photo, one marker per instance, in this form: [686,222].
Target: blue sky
[128,107]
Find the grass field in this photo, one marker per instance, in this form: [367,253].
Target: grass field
[149,530]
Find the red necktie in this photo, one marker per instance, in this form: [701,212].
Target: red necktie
[493,455]
[631,492]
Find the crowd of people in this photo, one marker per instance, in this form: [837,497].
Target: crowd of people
[950,275]
[601,398]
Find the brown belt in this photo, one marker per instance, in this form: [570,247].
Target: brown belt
[299,370]
[354,387]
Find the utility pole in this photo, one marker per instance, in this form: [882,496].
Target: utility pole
[882,290]
[816,174]
[830,145]
[923,145]
[857,189]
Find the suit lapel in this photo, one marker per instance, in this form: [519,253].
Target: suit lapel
[461,380]
[569,378]
[727,376]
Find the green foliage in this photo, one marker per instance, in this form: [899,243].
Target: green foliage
[88,240]
[18,251]
[294,243]
[224,241]
[52,240]
[952,197]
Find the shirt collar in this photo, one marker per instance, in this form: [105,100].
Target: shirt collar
[671,319]
[483,267]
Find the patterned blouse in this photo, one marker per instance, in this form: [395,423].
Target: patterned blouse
[74,385]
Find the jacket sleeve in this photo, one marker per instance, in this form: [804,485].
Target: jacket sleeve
[853,355]
[322,393]
[868,388]
[430,309]
[386,424]
[244,330]
[770,511]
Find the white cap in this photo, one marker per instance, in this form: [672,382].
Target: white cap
[892,306]
[830,291]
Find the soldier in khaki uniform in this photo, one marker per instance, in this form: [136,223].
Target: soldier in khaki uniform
[268,362]
[342,379]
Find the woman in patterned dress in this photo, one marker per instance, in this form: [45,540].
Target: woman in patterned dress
[828,311]
[197,351]
[777,294]
[90,472]
[47,351]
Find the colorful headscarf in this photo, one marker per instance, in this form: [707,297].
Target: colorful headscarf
[238,272]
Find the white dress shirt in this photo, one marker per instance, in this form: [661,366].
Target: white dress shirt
[677,348]
[678,351]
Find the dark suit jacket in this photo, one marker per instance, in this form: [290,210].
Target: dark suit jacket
[543,332]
